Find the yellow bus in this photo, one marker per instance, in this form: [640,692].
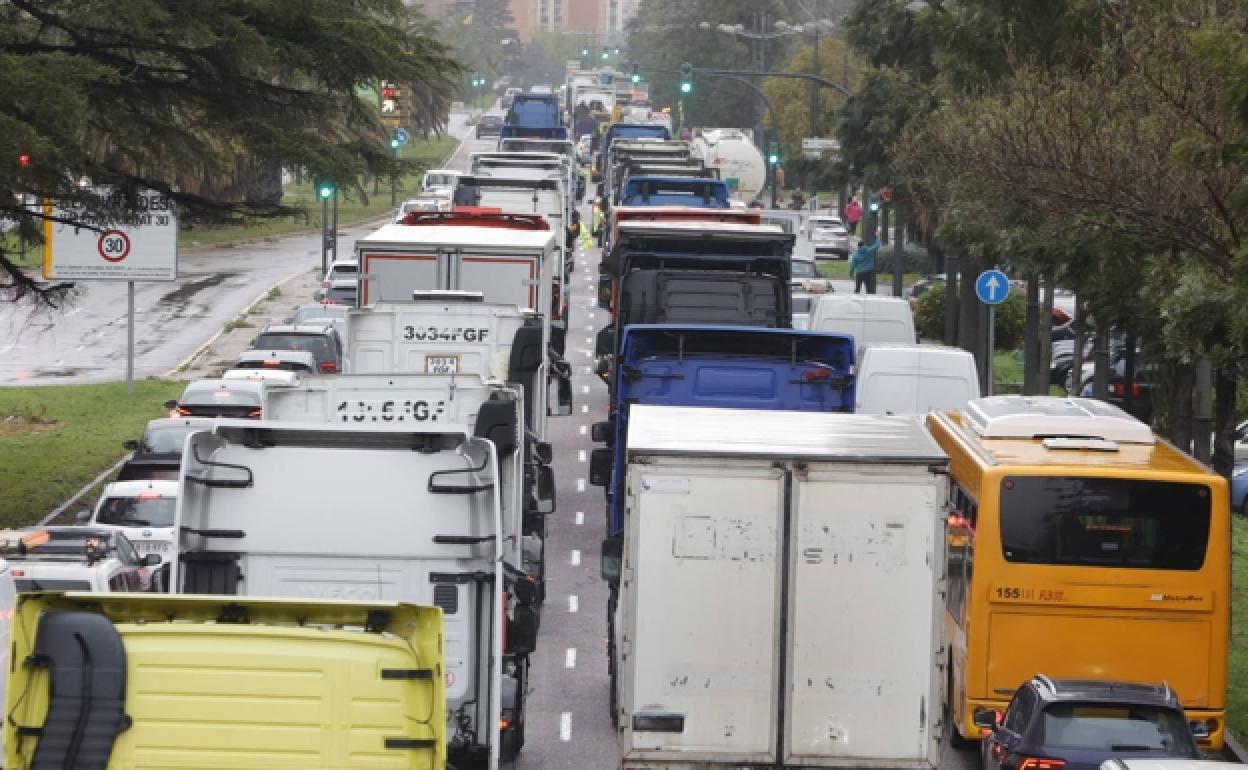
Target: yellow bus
[1080,546]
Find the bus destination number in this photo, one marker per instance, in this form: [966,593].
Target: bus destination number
[445,334]
[391,411]
[1030,594]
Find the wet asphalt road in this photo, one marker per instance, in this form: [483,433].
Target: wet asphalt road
[86,342]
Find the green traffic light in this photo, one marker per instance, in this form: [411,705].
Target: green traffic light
[326,191]
[394,144]
[773,159]
[874,206]
[636,78]
[584,52]
[686,87]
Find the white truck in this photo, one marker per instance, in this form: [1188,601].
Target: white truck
[739,162]
[402,509]
[781,591]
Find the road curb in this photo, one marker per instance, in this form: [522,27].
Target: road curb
[1234,748]
[78,495]
[186,362]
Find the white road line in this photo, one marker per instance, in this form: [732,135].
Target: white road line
[584,389]
[580,518]
[589,370]
[584,408]
[589,354]
[575,558]
[580,455]
[574,604]
[565,726]
[589,340]
[591,316]
[589,327]
[584,430]
[580,485]
[569,658]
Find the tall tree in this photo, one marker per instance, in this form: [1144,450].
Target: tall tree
[141,93]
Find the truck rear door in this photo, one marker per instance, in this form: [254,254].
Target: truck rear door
[709,571]
[863,540]
[390,276]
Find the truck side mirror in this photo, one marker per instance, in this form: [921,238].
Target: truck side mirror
[600,462]
[543,451]
[601,433]
[171,403]
[563,398]
[133,444]
[604,291]
[559,336]
[604,343]
[83,516]
[545,489]
[612,559]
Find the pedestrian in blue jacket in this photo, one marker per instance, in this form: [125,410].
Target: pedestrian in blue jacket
[862,266]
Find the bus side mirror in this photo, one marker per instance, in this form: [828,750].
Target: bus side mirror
[987,719]
[600,433]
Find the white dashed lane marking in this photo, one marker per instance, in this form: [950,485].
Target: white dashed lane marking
[580,485]
[569,658]
[580,518]
[565,726]
[585,408]
[574,558]
[574,604]
[585,389]
[584,430]
[580,456]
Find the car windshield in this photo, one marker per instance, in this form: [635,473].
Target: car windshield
[803,269]
[1115,728]
[141,511]
[165,440]
[316,344]
[1099,522]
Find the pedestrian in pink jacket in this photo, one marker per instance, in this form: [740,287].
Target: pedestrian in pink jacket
[853,213]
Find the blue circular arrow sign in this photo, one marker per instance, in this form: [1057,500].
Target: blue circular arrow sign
[992,287]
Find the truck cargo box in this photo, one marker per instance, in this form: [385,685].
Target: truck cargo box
[781,592]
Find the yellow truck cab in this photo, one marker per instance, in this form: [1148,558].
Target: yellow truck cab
[124,681]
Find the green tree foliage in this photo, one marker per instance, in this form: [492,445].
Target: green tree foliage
[162,93]
[665,33]
[543,58]
[1008,318]
[476,31]
[792,96]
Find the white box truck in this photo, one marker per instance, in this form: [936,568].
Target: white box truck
[405,511]
[781,591]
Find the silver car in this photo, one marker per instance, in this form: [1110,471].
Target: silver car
[832,241]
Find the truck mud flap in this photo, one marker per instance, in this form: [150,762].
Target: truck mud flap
[210,572]
[86,663]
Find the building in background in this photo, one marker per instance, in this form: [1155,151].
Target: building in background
[601,21]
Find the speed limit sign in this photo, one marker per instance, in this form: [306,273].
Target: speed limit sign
[113,245]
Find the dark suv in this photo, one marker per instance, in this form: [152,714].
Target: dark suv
[319,339]
[1072,724]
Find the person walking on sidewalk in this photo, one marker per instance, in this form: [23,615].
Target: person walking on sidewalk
[862,266]
[853,213]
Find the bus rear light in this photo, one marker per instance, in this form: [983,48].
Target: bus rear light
[329,367]
[1041,763]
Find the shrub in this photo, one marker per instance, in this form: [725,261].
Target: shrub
[1009,321]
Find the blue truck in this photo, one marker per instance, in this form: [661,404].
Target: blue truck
[709,366]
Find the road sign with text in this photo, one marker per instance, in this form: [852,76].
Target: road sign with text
[142,246]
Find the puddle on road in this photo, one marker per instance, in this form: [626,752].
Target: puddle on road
[182,295]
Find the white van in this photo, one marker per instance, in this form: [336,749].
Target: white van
[915,379]
[871,319]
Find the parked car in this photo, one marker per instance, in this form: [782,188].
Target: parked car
[831,241]
[219,398]
[489,125]
[299,361]
[822,219]
[338,270]
[1071,724]
[1239,484]
[319,339]
[143,511]
[805,276]
[158,452]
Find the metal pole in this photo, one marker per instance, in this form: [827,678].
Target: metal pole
[130,337]
[899,257]
[988,362]
[1202,416]
[333,232]
[394,177]
[324,240]
[814,93]
[1031,338]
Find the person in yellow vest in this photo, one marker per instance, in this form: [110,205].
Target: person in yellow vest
[598,221]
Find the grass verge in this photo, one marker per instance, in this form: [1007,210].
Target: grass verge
[1237,692]
[839,269]
[352,207]
[43,469]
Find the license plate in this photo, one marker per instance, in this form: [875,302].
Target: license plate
[441,364]
[151,546]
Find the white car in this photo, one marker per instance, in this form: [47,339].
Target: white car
[339,270]
[144,512]
[803,304]
[76,559]
[804,276]
[817,220]
[322,314]
[433,200]
[298,361]
[832,241]
[440,179]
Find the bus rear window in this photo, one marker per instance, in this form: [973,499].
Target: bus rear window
[1098,522]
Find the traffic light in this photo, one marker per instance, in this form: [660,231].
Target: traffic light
[636,76]
[606,53]
[394,144]
[326,190]
[686,78]
[584,52]
[773,154]
[23,160]
[873,202]
[388,92]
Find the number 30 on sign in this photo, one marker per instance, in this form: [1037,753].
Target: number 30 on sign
[114,245]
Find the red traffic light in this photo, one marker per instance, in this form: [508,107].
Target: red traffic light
[23,159]
[388,93]
[886,194]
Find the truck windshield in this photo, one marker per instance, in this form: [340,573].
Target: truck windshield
[1104,522]
[159,441]
[137,511]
